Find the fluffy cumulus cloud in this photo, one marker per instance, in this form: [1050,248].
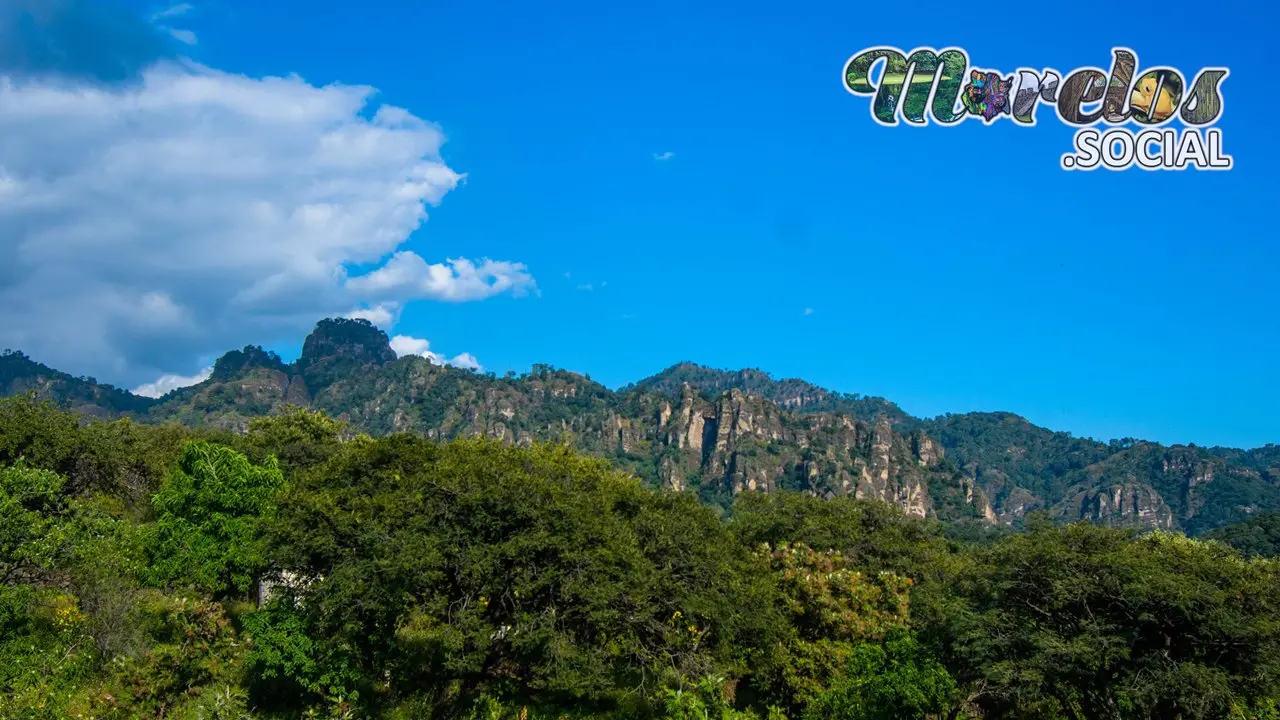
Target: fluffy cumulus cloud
[148,223]
[455,280]
[383,315]
[405,345]
[168,383]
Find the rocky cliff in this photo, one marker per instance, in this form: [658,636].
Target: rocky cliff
[718,433]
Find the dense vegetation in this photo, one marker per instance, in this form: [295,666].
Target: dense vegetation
[792,393]
[19,374]
[714,432]
[1259,536]
[411,578]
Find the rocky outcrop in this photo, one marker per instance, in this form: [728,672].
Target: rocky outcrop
[716,433]
[1127,504]
[339,348]
[718,445]
[738,443]
[1191,473]
[975,498]
[928,453]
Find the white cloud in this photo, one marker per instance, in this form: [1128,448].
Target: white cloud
[172,11]
[808,311]
[183,36]
[664,156]
[383,315]
[405,345]
[455,280]
[142,227]
[168,383]
[468,361]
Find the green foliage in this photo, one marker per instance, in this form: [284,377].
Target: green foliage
[1259,536]
[506,570]
[192,650]
[37,432]
[44,652]
[797,436]
[1088,621]
[29,502]
[101,559]
[298,439]
[233,364]
[338,348]
[828,600]
[209,515]
[708,699]
[20,375]
[287,668]
[874,535]
[832,609]
[1005,453]
[121,458]
[474,579]
[898,679]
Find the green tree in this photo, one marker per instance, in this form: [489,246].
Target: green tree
[1090,622]
[873,536]
[299,439]
[898,679]
[209,515]
[1258,536]
[29,500]
[528,574]
[834,611]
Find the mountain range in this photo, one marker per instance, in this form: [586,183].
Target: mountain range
[714,432]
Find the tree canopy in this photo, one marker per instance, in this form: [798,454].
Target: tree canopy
[474,578]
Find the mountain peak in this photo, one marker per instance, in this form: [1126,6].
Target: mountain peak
[235,362]
[790,393]
[719,432]
[339,346]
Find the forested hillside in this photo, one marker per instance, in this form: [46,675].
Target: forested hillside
[716,434]
[301,570]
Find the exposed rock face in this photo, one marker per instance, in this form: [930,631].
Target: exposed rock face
[1182,487]
[928,452]
[720,445]
[296,392]
[716,433]
[1127,504]
[738,443]
[1191,473]
[233,402]
[977,499]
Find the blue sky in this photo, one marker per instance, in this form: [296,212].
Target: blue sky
[1108,304]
